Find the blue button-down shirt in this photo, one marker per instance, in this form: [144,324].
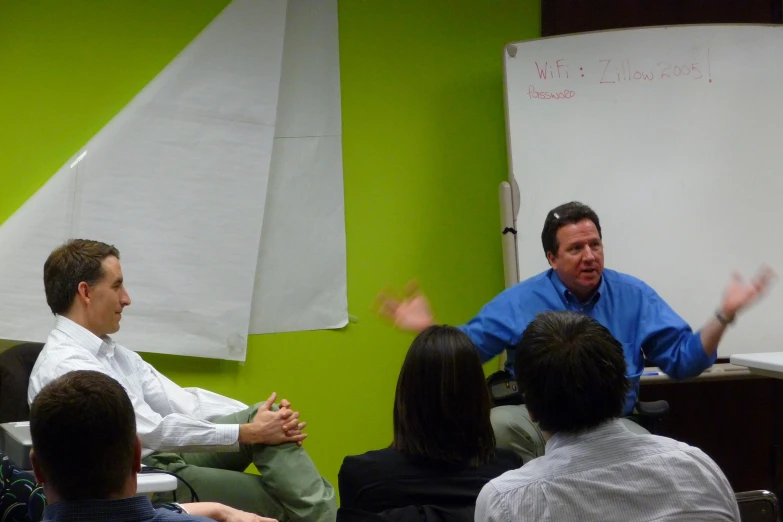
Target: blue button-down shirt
[133,509]
[634,313]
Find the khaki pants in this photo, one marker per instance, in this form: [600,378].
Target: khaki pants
[289,488]
[515,431]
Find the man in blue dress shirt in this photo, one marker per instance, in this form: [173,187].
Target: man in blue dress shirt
[632,311]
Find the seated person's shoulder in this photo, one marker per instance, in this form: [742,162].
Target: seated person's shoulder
[514,484]
[59,358]
[681,454]
[520,477]
[693,465]
[72,349]
[390,463]
[62,354]
[370,481]
[531,283]
[373,459]
[671,445]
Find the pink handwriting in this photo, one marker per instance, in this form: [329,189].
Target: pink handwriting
[543,95]
[614,70]
[619,71]
[548,71]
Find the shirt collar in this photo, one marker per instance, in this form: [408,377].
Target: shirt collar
[607,429]
[119,510]
[566,294]
[85,338]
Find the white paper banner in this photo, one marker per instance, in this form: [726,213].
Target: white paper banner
[301,280]
[177,180]
[180,181]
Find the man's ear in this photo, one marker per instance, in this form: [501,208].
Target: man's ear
[37,471]
[137,455]
[83,290]
[552,260]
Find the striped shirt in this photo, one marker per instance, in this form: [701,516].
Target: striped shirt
[610,474]
[168,417]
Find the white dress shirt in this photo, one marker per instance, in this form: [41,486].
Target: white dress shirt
[610,474]
[168,417]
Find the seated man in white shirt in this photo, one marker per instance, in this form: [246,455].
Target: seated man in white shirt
[573,376]
[206,439]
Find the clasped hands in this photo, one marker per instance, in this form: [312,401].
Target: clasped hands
[273,427]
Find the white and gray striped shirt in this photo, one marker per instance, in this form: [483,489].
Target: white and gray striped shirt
[168,417]
[610,474]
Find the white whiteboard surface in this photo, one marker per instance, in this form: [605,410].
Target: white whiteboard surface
[673,136]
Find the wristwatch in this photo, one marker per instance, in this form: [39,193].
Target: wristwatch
[722,318]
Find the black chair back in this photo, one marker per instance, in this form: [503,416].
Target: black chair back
[758,506]
[16,365]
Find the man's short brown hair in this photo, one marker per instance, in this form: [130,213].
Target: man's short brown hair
[68,265]
[84,433]
[571,371]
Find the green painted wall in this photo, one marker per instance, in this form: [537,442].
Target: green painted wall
[424,152]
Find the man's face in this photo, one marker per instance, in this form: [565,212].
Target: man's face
[107,298]
[579,260]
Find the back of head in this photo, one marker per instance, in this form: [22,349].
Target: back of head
[68,265]
[441,409]
[572,372]
[560,216]
[84,435]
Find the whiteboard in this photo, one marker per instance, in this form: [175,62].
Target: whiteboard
[673,136]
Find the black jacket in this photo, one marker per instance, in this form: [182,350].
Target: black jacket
[395,487]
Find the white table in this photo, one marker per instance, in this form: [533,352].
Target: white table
[155,483]
[765,364]
[20,431]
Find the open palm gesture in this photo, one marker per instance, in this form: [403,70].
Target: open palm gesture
[740,293]
[411,312]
